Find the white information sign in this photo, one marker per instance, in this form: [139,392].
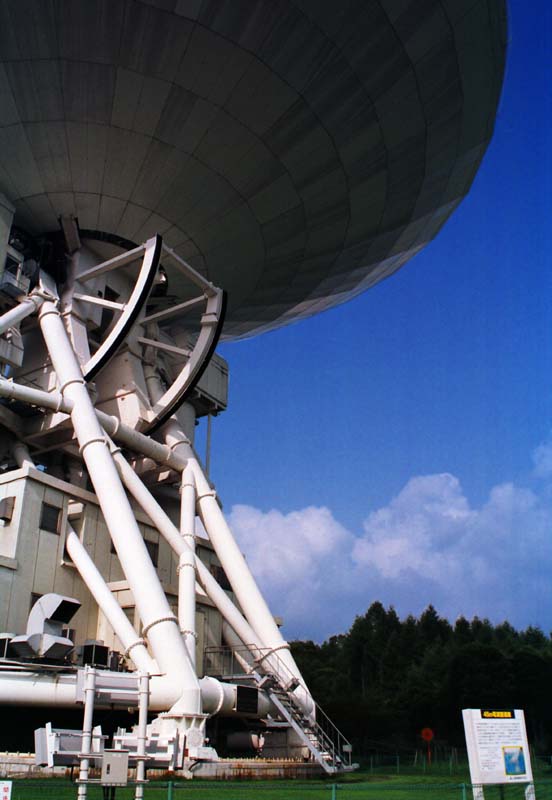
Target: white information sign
[5,790]
[498,751]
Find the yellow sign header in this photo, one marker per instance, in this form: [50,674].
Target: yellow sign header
[487,713]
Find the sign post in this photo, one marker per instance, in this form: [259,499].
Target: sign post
[427,735]
[498,750]
[5,790]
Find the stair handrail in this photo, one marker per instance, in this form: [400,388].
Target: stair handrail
[268,662]
[333,739]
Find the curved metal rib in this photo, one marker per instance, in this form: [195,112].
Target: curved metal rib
[142,288]
[211,327]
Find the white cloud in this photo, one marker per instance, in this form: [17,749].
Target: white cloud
[417,530]
[428,545]
[542,459]
[293,556]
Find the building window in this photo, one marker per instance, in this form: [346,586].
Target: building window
[153,550]
[50,518]
[34,599]
[7,505]
[151,547]
[220,575]
[66,558]
[132,616]
[128,611]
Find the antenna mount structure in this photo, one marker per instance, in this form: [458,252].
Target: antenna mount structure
[173,175]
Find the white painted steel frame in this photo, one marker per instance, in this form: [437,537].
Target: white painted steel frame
[177,454]
[177,542]
[244,586]
[186,564]
[151,252]
[215,696]
[210,326]
[134,646]
[259,628]
[129,437]
[169,401]
[159,624]
[86,742]
[24,309]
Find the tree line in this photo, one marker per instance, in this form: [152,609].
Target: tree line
[387,678]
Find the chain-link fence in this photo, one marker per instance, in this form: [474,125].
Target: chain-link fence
[285,790]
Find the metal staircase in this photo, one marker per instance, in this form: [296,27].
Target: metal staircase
[326,744]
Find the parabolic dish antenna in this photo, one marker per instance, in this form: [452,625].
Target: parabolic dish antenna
[294,152]
[166,160]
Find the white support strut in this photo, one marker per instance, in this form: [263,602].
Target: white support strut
[186,564]
[172,535]
[152,605]
[138,442]
[134,647]
[26,307]
[86,743]
[98,587]
[243,584]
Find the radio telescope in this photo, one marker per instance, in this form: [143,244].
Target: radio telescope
[173,172]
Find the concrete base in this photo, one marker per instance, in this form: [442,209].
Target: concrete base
[256,769]
[22,765]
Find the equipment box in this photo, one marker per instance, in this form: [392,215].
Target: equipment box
[114,768]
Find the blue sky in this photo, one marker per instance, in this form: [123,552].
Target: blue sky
[398,447]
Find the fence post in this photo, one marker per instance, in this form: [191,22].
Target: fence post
[170,790]
[334,791]
[398,763]
[464,792]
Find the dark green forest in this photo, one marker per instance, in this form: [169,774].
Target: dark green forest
[387,678]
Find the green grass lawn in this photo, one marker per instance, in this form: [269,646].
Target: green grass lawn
[353,787]
[441,783]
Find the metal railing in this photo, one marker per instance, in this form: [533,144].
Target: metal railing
[56,789]
[260,664]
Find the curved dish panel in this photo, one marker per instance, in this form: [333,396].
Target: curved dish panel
[294,153]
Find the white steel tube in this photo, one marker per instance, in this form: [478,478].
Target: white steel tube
[243,584]
[112,425]
[15,315]
[135,648]
[20,688]
[28,394]
[232,640]
[220,698]
[164,455]
[142,735]
[52,690]
[21,454]
[186,565]
[172,535]
[160,625]
[86,742]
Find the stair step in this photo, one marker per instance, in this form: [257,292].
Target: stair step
[318,742]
